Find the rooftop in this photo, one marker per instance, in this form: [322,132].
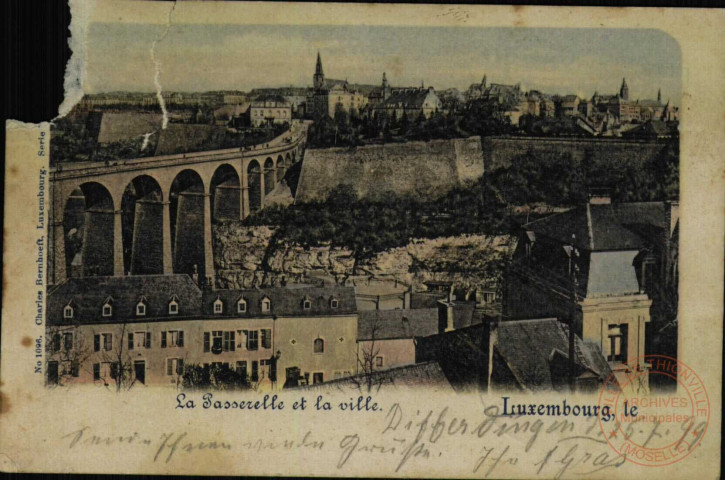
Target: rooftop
[426,374]
[614,226]
[527,347]
[88,295]
[397,324]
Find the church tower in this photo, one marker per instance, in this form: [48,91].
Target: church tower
[624,91]
[386,87]
[318,78]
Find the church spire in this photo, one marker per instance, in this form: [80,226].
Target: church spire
[318,67]
[318,79]
[659,95]
[624,91]
[483,82]
[386,87]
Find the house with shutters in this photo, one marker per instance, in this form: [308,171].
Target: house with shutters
[151,326]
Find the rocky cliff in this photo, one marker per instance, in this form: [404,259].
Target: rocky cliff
[246,257]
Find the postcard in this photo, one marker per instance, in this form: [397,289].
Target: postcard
[370,240]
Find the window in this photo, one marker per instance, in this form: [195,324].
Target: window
[378,361]
[218,306]
[68,312]
[334,303]
[266,305]
[55,342]
[228,343]
[53,373]
[107,310]
[318,377]
[174,366]
[219,341]
[140,309]
[617,344]
[266,338]
[306,304]
[255,371]
[105,339]
[173,306]
[242,367]
[139,340]
[68,341]
[252,340]
[242,306]
[74,368]
[319,346]
[104,370]
[265,367]
[172,338]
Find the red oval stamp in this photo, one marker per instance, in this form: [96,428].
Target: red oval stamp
[654,429]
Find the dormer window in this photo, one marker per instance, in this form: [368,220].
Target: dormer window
[218,305]
[306,303]
[334,303]
[108,308]
[174,306]
[266,305]
[141,307]
[68,312]
[241,306]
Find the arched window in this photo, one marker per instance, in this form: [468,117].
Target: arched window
[266,305]
[218,305]
[68,312]
[306,303]
[319,346]
[241,305]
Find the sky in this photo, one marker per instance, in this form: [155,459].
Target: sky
[203,57]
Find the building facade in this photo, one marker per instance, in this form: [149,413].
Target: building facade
[269,109]
[330,96]
[150,328]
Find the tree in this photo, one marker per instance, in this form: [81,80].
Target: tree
[368,351]
[116,356]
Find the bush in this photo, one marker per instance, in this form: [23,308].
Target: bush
[217,377]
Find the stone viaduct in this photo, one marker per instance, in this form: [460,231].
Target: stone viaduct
[154,215]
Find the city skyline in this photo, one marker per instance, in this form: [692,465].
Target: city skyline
[557,61]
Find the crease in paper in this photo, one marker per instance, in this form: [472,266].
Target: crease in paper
[157,74]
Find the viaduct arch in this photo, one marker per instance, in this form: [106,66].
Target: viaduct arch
[154,215]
